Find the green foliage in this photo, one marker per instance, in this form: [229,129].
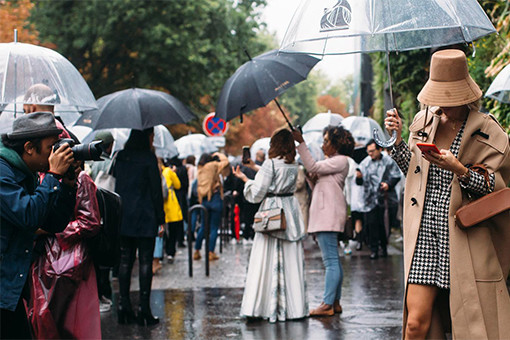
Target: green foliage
[343,89]
[300,100]
[409,72]
[188,48]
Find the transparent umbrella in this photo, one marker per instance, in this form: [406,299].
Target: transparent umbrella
[322,120]
[260,144]
[361,128]
[194,145]
[7,116]
[164,144]
[327,27]
[314,140]
[500,87]
[24,65]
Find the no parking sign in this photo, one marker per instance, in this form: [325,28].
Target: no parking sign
[214,127]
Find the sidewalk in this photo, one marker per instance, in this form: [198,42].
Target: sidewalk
[208,307]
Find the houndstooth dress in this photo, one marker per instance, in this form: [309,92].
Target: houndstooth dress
[431,260]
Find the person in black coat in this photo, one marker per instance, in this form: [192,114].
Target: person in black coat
[182,194]
[139,185]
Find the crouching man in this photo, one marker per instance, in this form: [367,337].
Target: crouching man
[27,205]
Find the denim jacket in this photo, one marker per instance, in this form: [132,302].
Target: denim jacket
[25,207]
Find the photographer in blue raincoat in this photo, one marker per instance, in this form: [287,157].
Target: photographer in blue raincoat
[27,205]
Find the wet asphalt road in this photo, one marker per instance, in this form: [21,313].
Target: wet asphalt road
[208,307]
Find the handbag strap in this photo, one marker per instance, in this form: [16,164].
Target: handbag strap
[112,164]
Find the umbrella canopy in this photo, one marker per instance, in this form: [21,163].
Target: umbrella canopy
[260,144]
[261,80]
[7,116]
[164,144]
[194,145]
[24,65]
[500,87]
[314,141]
[361,128]
[322,120]
[325,27]
[136,109]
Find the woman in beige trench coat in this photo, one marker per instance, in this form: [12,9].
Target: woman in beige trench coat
[455,278]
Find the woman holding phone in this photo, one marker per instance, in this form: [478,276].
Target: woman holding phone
[445,266]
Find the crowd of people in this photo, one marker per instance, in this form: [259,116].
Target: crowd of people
[50,215]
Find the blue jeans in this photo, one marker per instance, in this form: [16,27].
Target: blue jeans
[328,242]
[214,210]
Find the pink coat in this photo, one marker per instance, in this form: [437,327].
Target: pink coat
[328,209]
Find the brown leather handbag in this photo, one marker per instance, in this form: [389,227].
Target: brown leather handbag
[485,207]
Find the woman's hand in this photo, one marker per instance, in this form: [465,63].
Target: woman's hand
[239,174]
[446,160]
[161,230]
[393,123]
[298,137]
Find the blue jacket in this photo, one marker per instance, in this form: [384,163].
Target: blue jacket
[25,207]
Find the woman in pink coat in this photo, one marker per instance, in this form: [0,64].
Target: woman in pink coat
[328,208]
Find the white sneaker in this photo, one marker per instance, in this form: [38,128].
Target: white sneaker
[104,299]
[170,259]
[104,307]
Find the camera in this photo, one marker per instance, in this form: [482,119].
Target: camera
[82,152]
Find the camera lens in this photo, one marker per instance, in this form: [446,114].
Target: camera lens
[88,152]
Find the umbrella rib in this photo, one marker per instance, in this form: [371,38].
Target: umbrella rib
[5,74]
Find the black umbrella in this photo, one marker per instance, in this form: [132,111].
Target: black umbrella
[261,80]
[136,109]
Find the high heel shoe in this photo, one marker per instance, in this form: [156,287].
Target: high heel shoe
[145,318]
[125,316]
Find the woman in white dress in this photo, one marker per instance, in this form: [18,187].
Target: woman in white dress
[275,283]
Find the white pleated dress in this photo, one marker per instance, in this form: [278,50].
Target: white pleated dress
[275,283]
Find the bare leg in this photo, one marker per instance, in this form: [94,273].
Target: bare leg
[419,302]
[357,226]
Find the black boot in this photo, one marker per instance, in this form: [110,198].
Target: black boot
[125,312]
[145,317]
[125,315]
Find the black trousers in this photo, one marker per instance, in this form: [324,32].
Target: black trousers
[104,287]
[374,221]
[14,325]
[172,236]
[128,247]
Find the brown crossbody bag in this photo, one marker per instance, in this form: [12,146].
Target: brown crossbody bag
[485,207]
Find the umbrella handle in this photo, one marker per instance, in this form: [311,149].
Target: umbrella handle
[384,144]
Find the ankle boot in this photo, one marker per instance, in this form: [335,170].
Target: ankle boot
[125,314]
[145,317]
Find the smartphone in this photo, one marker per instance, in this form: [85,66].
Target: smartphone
[428,148]
[246,154]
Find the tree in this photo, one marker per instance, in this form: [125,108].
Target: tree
[344,90]
[13,15]
[334,104]
[187,48]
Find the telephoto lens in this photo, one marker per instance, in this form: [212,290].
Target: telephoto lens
[82,152]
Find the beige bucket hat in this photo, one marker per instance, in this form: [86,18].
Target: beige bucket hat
[449,84]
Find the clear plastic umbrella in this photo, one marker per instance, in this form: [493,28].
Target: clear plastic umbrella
[322,120]
[194,145]
[361,128]
[164,144]
[24,65]
[7,116]
[500,87]
[314,140]
[327,27]
[260,144]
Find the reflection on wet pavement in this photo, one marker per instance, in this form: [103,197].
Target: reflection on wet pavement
[371,299]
